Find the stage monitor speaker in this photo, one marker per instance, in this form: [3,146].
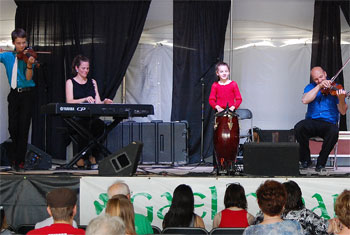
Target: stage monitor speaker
[123,162]
[37,159]
[271,159]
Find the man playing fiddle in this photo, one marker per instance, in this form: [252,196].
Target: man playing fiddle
[20,98]
[321,118]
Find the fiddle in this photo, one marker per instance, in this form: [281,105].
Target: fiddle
[25,56]
[332,90]
[28,53]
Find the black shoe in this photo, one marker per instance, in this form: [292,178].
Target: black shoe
[306,164]
[320,168]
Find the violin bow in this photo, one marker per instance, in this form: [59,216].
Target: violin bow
[340,70]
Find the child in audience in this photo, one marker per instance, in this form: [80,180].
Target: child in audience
[120,205]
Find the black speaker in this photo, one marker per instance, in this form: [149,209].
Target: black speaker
[123,162]
[37,159]
[271,159]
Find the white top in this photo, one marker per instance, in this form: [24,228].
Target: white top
[48,222]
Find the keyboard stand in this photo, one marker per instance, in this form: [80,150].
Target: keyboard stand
[93,141]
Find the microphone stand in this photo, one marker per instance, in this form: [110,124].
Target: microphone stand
[202,109]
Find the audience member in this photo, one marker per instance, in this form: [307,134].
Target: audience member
[120,205]
[61,205]
[272,197]
[3,224]
[295,210]
[342,210]
[142,224]
[181,212]
[235,213]
[106,224]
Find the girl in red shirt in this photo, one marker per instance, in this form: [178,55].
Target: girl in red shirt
[224,92]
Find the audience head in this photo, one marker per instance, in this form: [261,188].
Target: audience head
[61,204]
[106,224]
[118,187]
[77,62]
[294,199]
[3,223]
[183,198]
[180,213]
[120,205]
[342,208]
[271,197]
[235,196]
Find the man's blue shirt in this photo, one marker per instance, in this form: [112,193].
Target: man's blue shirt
[323,107]
[8,59]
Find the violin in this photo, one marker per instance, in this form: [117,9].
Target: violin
[29,52]
[25,56]
[332,90]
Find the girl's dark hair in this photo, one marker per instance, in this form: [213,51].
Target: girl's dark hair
[181,210]
[235,196]
[77,61]
[18,33]
[220,64]
[294,199]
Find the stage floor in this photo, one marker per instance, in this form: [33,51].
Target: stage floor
[188,170]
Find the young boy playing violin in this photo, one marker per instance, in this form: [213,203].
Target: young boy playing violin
[20,98]
[321,118]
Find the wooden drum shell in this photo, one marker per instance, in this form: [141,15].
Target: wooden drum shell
[226,138]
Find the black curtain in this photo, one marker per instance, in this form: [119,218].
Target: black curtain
[199,37]
[107,32]
[326,50]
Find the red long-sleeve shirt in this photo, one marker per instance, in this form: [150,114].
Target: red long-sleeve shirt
[223,94]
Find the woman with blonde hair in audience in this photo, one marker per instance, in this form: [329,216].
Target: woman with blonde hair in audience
[342,210]
[120,205]
[181,212]
[235,213]
[272,197]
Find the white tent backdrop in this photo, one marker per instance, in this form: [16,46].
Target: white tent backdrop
[272,80]
[149,80]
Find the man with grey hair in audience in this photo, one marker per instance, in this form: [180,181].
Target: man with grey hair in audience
[142,224]
[106,224]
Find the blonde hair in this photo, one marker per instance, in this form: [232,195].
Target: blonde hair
[342,208]
[120,205]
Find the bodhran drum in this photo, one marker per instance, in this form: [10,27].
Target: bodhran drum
[226,139]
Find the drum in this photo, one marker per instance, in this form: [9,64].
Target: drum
[226,138]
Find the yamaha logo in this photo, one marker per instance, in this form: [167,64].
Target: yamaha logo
[66,108]
[81,109]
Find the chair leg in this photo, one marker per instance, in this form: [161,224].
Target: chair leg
[335,166]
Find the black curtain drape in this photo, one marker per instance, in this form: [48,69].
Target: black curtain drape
[199,37]
[326,50]
[107,32]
